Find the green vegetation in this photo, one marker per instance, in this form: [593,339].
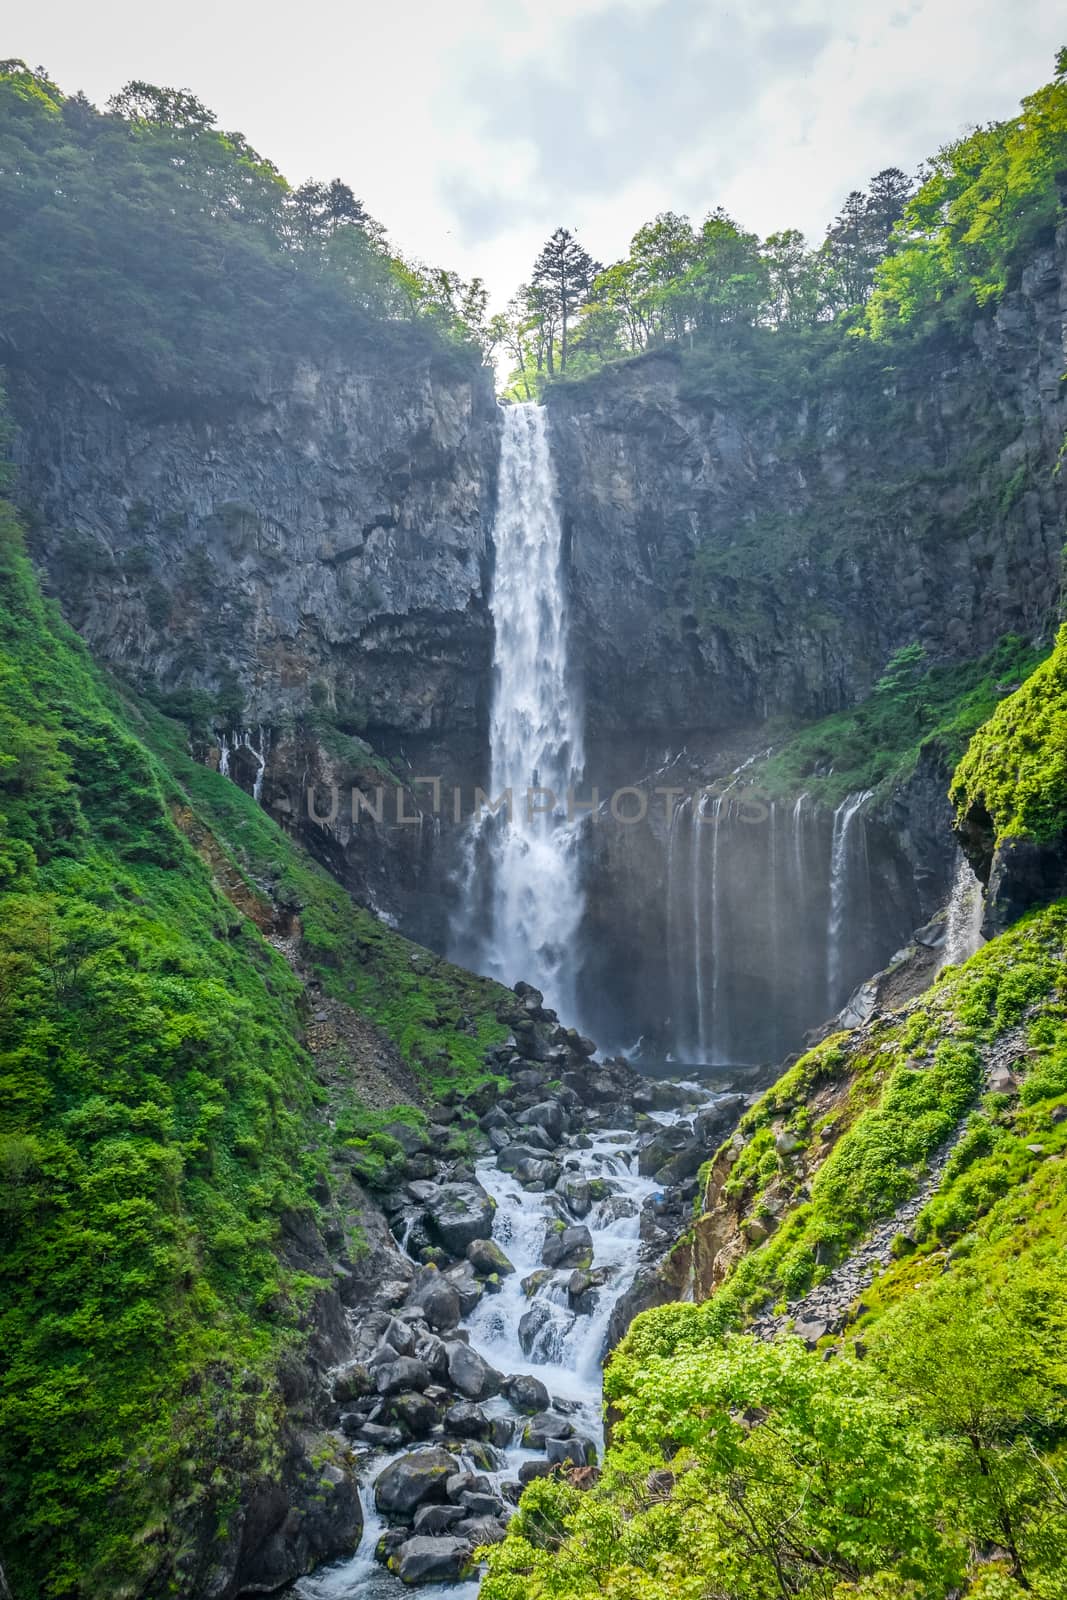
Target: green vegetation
[156,250]
[914,709]
[926,1460]
[161,1115]
[899,260]
[1015,770]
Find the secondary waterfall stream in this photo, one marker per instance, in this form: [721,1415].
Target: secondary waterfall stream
[523,901]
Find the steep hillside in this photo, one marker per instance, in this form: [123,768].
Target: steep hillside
[200,1037]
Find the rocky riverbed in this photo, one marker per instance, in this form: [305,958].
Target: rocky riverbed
[476,1368]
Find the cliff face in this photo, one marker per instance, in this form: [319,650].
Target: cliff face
[745,543]
[320,542]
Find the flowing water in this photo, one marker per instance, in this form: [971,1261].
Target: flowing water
[840,868]
[963,919]
[537,1334]
[522,887]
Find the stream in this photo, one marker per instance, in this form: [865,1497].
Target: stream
[537,1328]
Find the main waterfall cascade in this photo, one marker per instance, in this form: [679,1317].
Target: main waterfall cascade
[522,894]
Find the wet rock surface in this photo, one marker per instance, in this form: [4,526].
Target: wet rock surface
[475,1363]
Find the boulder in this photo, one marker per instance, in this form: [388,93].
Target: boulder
[405,1373]
[437,1297]
[427,1560]
[570,1452]
[416,1415]
[433,1519]
[481,1530]
[474,1378]
[536,1173]
[546,1425]
[575,1194]
[460,1213]
[527,1394]
[568,1247]
[467,1420]
[412,1480]
[373,1433]
[465,1283]
[546,1115]
[534,1469]
[487,1258]
[433,1353]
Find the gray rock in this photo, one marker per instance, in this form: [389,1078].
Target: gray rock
[460,1213]
[576,1193]
[575,1452]
[426,1560]
[567,1247]
[526,1393]
[487,1258]
[548,1116]
[438,1298]
[474,1378]
[412,1480]
[434,1519]
[467,1420]
[544,1426]
[405,1373]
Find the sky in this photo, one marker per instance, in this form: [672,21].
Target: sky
[473,128]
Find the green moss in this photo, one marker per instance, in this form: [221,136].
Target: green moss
[159,1117]
[1015,770]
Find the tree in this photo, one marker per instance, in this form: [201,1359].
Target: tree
[565,272]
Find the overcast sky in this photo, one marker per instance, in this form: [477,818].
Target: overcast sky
[472,128]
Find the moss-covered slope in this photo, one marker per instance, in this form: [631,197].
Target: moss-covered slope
[161,1116]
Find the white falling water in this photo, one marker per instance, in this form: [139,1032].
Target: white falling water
[963,917]
[535,901]
[844,817]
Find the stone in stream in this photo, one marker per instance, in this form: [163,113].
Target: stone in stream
[425,1560]
[438,1298]
[433,1352]
[534,1469]
[534,1173]
[576,1194]
[570,1452]
[654,1149]
[412,1480]
[567,1247]
[534,1282]
[464,1281]
[548,1116]
[481,1530]
[546,1425]
[487,1258]
[582,1286]
[374,1434]
[532,1324]
[508,1159]
[526,1393]
[434,1519]
[474,1378]
[461,1483]
[478,1504]
[459,1213]
[405,1373]
[417,1415]
[467,1419]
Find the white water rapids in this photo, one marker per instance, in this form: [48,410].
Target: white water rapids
[565,1354]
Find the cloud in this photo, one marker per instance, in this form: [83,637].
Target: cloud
[624,93]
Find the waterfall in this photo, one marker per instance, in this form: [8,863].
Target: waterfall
[534,904]
[844,816]
[697,1050]
[963,916]
[719,1032]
